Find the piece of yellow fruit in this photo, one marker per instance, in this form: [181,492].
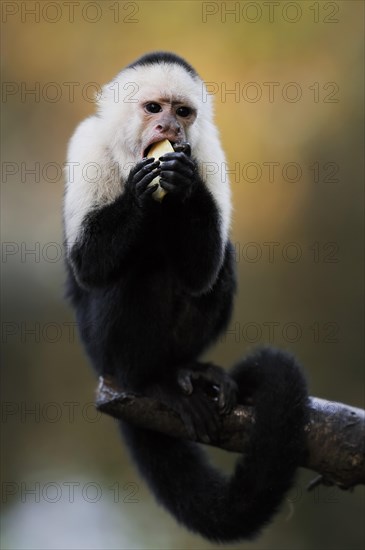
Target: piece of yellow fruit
[156,151]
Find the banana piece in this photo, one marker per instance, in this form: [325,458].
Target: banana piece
[156,151]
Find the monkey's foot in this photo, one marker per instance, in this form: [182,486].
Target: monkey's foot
[214,381]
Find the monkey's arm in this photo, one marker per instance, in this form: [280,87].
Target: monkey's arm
[194,237]
[110,235]
[193,226]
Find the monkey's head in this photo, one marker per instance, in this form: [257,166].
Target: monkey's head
[159,96]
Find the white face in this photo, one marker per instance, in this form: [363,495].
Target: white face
[164,118]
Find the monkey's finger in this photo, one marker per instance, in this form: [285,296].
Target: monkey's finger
[142,163]
[146,168]
[179,158]
[188,420]
[167,186]
[206,421]
[224,401]
[221,400]
[227,398]
[142,169]
[183,147]
[178,168]
[184,381]
[173,175]
[150,190]
[177,185]
[142,185]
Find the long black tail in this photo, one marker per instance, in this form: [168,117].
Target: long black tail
[202,498]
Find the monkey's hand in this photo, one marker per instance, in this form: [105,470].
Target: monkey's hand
[199,394]
[207,393]
[139,179]
[212,380]
[178,171]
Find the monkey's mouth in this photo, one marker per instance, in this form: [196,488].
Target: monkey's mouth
[149,147]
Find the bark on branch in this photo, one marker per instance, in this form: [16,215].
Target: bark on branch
[335,433]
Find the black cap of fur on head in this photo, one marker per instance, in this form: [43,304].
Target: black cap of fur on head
[163,57]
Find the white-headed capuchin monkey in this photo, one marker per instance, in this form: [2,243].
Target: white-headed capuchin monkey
[152,280]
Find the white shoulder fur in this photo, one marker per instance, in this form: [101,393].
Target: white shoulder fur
[103,148]
[92,179]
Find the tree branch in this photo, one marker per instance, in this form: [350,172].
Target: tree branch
[335,433]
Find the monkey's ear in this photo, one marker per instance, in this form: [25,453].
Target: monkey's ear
[183,147]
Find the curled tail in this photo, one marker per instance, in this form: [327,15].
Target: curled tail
[202,498]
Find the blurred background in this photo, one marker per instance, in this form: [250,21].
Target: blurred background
[287,80]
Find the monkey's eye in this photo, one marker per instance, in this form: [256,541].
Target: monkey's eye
[183,111]
[153,107]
